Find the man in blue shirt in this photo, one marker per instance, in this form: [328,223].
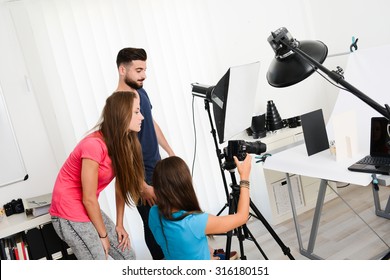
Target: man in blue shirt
[131,63]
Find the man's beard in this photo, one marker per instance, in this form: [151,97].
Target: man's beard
[132,84]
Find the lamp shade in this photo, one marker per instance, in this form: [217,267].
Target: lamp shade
[291,69]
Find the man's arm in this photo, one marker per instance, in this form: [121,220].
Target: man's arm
[148,194]
[161,140]
[148,191]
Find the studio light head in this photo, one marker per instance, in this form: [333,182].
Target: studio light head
[281,51]
[233,99]
[202,91]
[288,67]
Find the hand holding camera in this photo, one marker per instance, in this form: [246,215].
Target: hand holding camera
[240,149]
[244,166]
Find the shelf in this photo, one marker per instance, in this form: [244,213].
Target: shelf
[20,222]
[271,137]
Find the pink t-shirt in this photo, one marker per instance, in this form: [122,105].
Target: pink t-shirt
[67,194]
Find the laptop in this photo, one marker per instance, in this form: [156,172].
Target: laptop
[378,162]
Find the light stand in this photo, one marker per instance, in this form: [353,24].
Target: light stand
[218,153]
[284,46]
[241,232]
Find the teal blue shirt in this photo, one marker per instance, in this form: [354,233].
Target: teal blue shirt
[184,239]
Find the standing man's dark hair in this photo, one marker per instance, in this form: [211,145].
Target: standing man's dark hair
[127,55]
[131,63]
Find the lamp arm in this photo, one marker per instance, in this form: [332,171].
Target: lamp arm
[336,77]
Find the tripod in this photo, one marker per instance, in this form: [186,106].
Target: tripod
[242,232]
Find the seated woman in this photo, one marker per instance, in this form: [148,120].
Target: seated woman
[178,224]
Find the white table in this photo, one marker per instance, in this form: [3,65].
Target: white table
[323,165]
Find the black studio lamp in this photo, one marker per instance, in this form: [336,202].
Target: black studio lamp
[296,60]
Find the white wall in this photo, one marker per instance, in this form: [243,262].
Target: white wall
[26,118]
[66,50]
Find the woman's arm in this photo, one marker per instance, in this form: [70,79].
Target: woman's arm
[123,237]
[221,224]
[89,183]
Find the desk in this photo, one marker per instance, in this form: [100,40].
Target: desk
[321,165]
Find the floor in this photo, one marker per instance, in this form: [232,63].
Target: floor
[353,233]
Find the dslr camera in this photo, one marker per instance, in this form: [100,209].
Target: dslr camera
[14,207]
[240,148]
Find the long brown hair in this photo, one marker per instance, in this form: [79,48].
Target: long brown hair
[123,145]
[173,188]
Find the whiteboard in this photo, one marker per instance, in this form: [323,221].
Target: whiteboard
[12,167]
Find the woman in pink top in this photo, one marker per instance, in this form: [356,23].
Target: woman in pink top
[111,150]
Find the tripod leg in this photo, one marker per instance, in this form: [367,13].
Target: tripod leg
[252,238]
[241,238]
[386,257]
[238,231]
[229,234]
[284,248]
[241,232]
[223,209]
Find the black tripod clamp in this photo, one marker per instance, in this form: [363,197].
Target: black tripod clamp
[234,185]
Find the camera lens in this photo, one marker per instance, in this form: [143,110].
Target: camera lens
[240,148]
[256,147]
